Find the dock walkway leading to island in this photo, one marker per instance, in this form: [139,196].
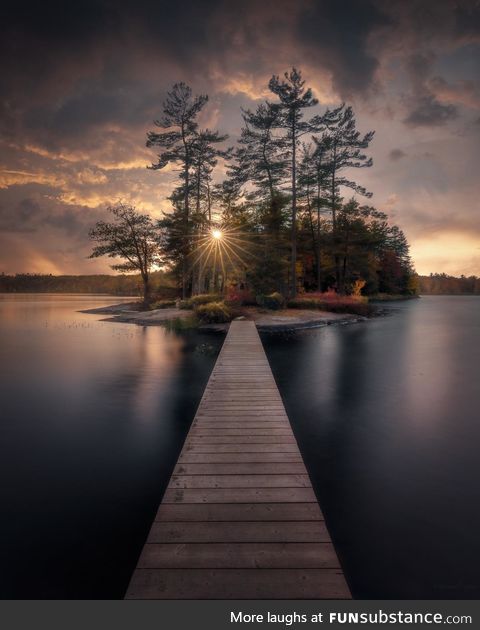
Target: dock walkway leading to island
[239,519]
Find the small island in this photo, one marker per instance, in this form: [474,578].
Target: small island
[240,312]
[275,240]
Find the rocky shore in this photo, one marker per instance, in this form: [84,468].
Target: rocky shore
[267,321]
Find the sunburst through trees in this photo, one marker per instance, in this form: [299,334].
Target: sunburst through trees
[220,253]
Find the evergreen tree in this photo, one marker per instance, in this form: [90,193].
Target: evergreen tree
[344,145]
[262,157]
[205,155]
[177,140]
[293,99]
[312,182]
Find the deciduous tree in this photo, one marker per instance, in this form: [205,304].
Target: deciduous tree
[132,238]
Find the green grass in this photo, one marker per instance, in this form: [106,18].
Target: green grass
[181,323]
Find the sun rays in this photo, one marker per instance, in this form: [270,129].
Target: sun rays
[220,249]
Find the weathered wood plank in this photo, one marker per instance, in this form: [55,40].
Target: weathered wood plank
[239,556]
[239,518]
[229,468]
[238,584]
[297,531]
[239,495]
[239,512]
[219,458]
[201,431]
[246,423]
[241,448]
[239,481]
[239,440]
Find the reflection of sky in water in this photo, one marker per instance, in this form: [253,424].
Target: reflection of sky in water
[71,354]
[94,415]
[386,414]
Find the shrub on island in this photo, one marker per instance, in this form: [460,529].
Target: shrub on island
[214,313]
[162,304]
[333,303]
[274,301]
[197,300]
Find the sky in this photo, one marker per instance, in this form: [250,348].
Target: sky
[81,84]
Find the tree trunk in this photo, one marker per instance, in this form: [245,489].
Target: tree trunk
[293,290]
[344,266]
[186,212]
[198,186]
[319,253]
[209,203]
[334,227]
[312,230]
[146,289]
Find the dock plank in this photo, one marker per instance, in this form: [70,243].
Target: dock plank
[239,518]
[238,584]
[239,556]
[232,531]
[201,512]
[234,468]
[239,481]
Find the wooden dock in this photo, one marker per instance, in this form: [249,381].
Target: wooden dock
[239,519]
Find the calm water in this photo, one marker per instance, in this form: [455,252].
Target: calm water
[94,415]
[387,417]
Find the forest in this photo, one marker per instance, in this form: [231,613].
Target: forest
[268,215]
[119,284]
[442,284]
[163,286]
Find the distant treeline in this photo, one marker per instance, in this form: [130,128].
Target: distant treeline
[441,284]
[121,284]
[113,284]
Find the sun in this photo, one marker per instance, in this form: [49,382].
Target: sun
[221,247]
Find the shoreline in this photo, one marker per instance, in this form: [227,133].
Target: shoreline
[286,320]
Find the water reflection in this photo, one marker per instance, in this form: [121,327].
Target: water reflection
[94,415]
[386,414]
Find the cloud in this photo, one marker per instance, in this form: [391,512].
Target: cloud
[429,112]
[455,253]
[21,218]
[396,154]
[465,93]
[80,88]
[425,108]
[33,213]
[336,36]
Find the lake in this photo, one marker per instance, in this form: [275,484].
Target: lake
[94,415]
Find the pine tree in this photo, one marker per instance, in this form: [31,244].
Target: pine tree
[293,99]
[344,145]
[180,111]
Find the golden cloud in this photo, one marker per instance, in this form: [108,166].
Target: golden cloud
[454,253]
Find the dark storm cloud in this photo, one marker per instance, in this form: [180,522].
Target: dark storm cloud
[425,109]
[29,215]
[74,70]
[430,113]
[81,83]
[337,34]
